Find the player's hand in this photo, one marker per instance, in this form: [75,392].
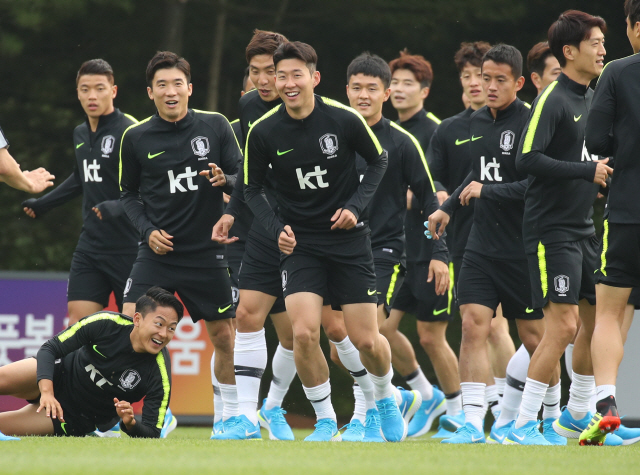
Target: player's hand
[39,178]
[343,219]
[215,175]
[409,198]
[226,198]
[221,230]
[27,209]
[436,224]
[602,172]
[442,197]
[125,412]
[48,402]
[472,190]
[287,240]
[440,271]
[160,242]
[97,212]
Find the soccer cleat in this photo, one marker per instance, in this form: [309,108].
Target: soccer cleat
[239,428]
[550,434]
[218,428]
[411,401]
[170,423]
[629,435]
[326,431]
[528,434]
[598,428]
[113,432]
[7,437]
[273,420]
[354,432]
[452,423]
[612,440]
[372,427]
[498,434]
[467,434]
[427,413]
[393,427]
[568,427]
[442,433]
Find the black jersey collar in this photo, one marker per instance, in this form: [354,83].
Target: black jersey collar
[380,125]
[505,113]
[105,120]
[307,119]
[182,124]
[573,86]
[417,117]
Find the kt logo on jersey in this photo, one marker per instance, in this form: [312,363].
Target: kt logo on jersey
[329,145]
[200,147]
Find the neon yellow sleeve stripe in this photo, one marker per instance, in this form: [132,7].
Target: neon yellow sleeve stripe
[122,140]
[225,118]
[527,105]
[64,336]
[234,121]
[433,118]
[542,264]
[339,105]
[166,388]
[537,112]
[130,117]
[246,148]
[417,144]
[605,246]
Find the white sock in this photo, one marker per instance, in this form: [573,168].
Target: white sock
[218,405]
[516,377]
[230,397]
[532,397]
[320,398]
[568,360]
[350,358]
[519,365]
[473,396]
[249,360]
[382,387]
[593,401]
[492,399]
[500,383]
[453,402]
[605,391]
[419,382]
[580,393]
[551,403]
[284,370]
[360,407]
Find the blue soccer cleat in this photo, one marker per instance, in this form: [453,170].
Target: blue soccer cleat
[170,423]
[354,432]
[550,434]
[427,413]
[629,435]
[452,423]
[7,438]
[113,432]
[528,434]
[410,403]
[326,431]
[372,428]
[467,434]
[498,434]
[568,427]
[613,440]
[239,428]
[273,420]
[218,428]
[442,433]
[393,427]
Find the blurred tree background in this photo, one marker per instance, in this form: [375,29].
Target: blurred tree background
[43,43]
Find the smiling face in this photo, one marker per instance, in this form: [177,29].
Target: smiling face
[262,73]
[588,58]
[499,85]
[366,95]
[96,94]
[295,84]
[170,92]
[154,330]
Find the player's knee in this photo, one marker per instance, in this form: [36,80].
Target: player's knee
[222,335]
[365,343]
[430,341]
[530,341]
[335,330]
[246,320]
[305,336]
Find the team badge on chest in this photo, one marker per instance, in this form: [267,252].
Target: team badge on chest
[507,138]
[108,143]
[130,379]
[200,147]
[329,144]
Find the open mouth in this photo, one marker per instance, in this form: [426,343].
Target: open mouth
[475,92]
[171,104]
[156,342]
[264,92]
[292,94]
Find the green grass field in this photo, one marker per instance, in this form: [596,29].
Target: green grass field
[189,450]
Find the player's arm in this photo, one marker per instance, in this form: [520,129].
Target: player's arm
[230,155]
[33,181]
[66,191]
[513,191]
[598,134]
[438,221]
[435,155]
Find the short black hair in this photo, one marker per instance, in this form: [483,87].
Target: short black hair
[158,297]
[263,42]
[571,28]
[505,54]
[297,50]
[632,11]
[167,60]
[471,53]
[537,58]
[95,67]
[370,65]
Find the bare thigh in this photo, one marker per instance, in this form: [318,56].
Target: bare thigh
[26,421]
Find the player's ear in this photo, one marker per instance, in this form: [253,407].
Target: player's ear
[520,83]
[137,319]
[316,78]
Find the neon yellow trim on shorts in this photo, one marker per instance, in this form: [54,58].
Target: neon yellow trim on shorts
[605,246]
[542,263]
[450,291]
[392,283]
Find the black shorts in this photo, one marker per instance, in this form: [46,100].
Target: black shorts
[94,276]
[564,272]
[490,282]
[342,270]
[389,279]
[634,298]
[418,297]
[205,292]
[260,270]
[235,252]
[620,257]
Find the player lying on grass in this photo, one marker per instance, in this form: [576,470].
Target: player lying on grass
[89,374]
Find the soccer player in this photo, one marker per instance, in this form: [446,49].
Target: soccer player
[321,227]
[108,243]
[174,210]
[558,232]
[611,129]
[33,181]
[89,374]
[543,66]
[494,266]
[259,281]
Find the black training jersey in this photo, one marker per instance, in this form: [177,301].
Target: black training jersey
[561,192]
[406,167]
[95,177]
[250,108]
[314,169]
[492,147]
[161,188]
[99,364]
[613,129]
[242,223]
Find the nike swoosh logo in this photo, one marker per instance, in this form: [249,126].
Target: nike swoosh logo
[78,146]
[64,429]
[576,119]
[149,156]
[282,153]
[518,437]
[473,139]
[249,124]
[438,312]
[473,439]
[500,439]
[528,310]
[404,408]
[247,433]
[371,292]
[96,350]
[460,142]
[222,310]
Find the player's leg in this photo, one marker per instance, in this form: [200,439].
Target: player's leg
[501,350]
[89,287]
[19,379]
[25,421]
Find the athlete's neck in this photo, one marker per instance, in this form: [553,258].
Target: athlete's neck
[303,111]
[477,105]
[94,121]
[494,111]
[136,344]
[406,114]
[581,77]
[374,119]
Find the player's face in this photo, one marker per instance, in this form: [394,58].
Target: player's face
[589,58]
[471,81]
[295,84]
[170,92]
[551,71]
[633,33]
[96,94]
[499,84]
[155,329]
[366,95]
[262,73]
[406,91]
